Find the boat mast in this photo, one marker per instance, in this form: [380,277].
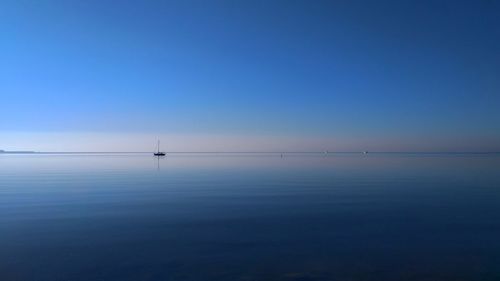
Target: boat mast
[158,146]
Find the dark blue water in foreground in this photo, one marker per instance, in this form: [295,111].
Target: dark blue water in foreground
[250,217]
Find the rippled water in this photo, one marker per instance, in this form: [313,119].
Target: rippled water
[250,217]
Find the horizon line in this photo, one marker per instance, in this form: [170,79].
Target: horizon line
[251,152]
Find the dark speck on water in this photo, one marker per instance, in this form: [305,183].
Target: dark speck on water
[250,217]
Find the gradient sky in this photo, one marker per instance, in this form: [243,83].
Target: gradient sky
[250,75]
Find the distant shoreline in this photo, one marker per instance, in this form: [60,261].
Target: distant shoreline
[16,152]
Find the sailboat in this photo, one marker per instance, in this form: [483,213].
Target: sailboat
[158,153]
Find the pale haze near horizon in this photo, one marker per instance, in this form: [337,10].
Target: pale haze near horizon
[144,142]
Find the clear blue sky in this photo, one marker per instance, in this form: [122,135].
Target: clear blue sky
[394,74]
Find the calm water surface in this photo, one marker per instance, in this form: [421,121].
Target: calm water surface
[250,217]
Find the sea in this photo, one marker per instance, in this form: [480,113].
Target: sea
[250,216]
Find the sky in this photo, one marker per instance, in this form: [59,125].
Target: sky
[101,75]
